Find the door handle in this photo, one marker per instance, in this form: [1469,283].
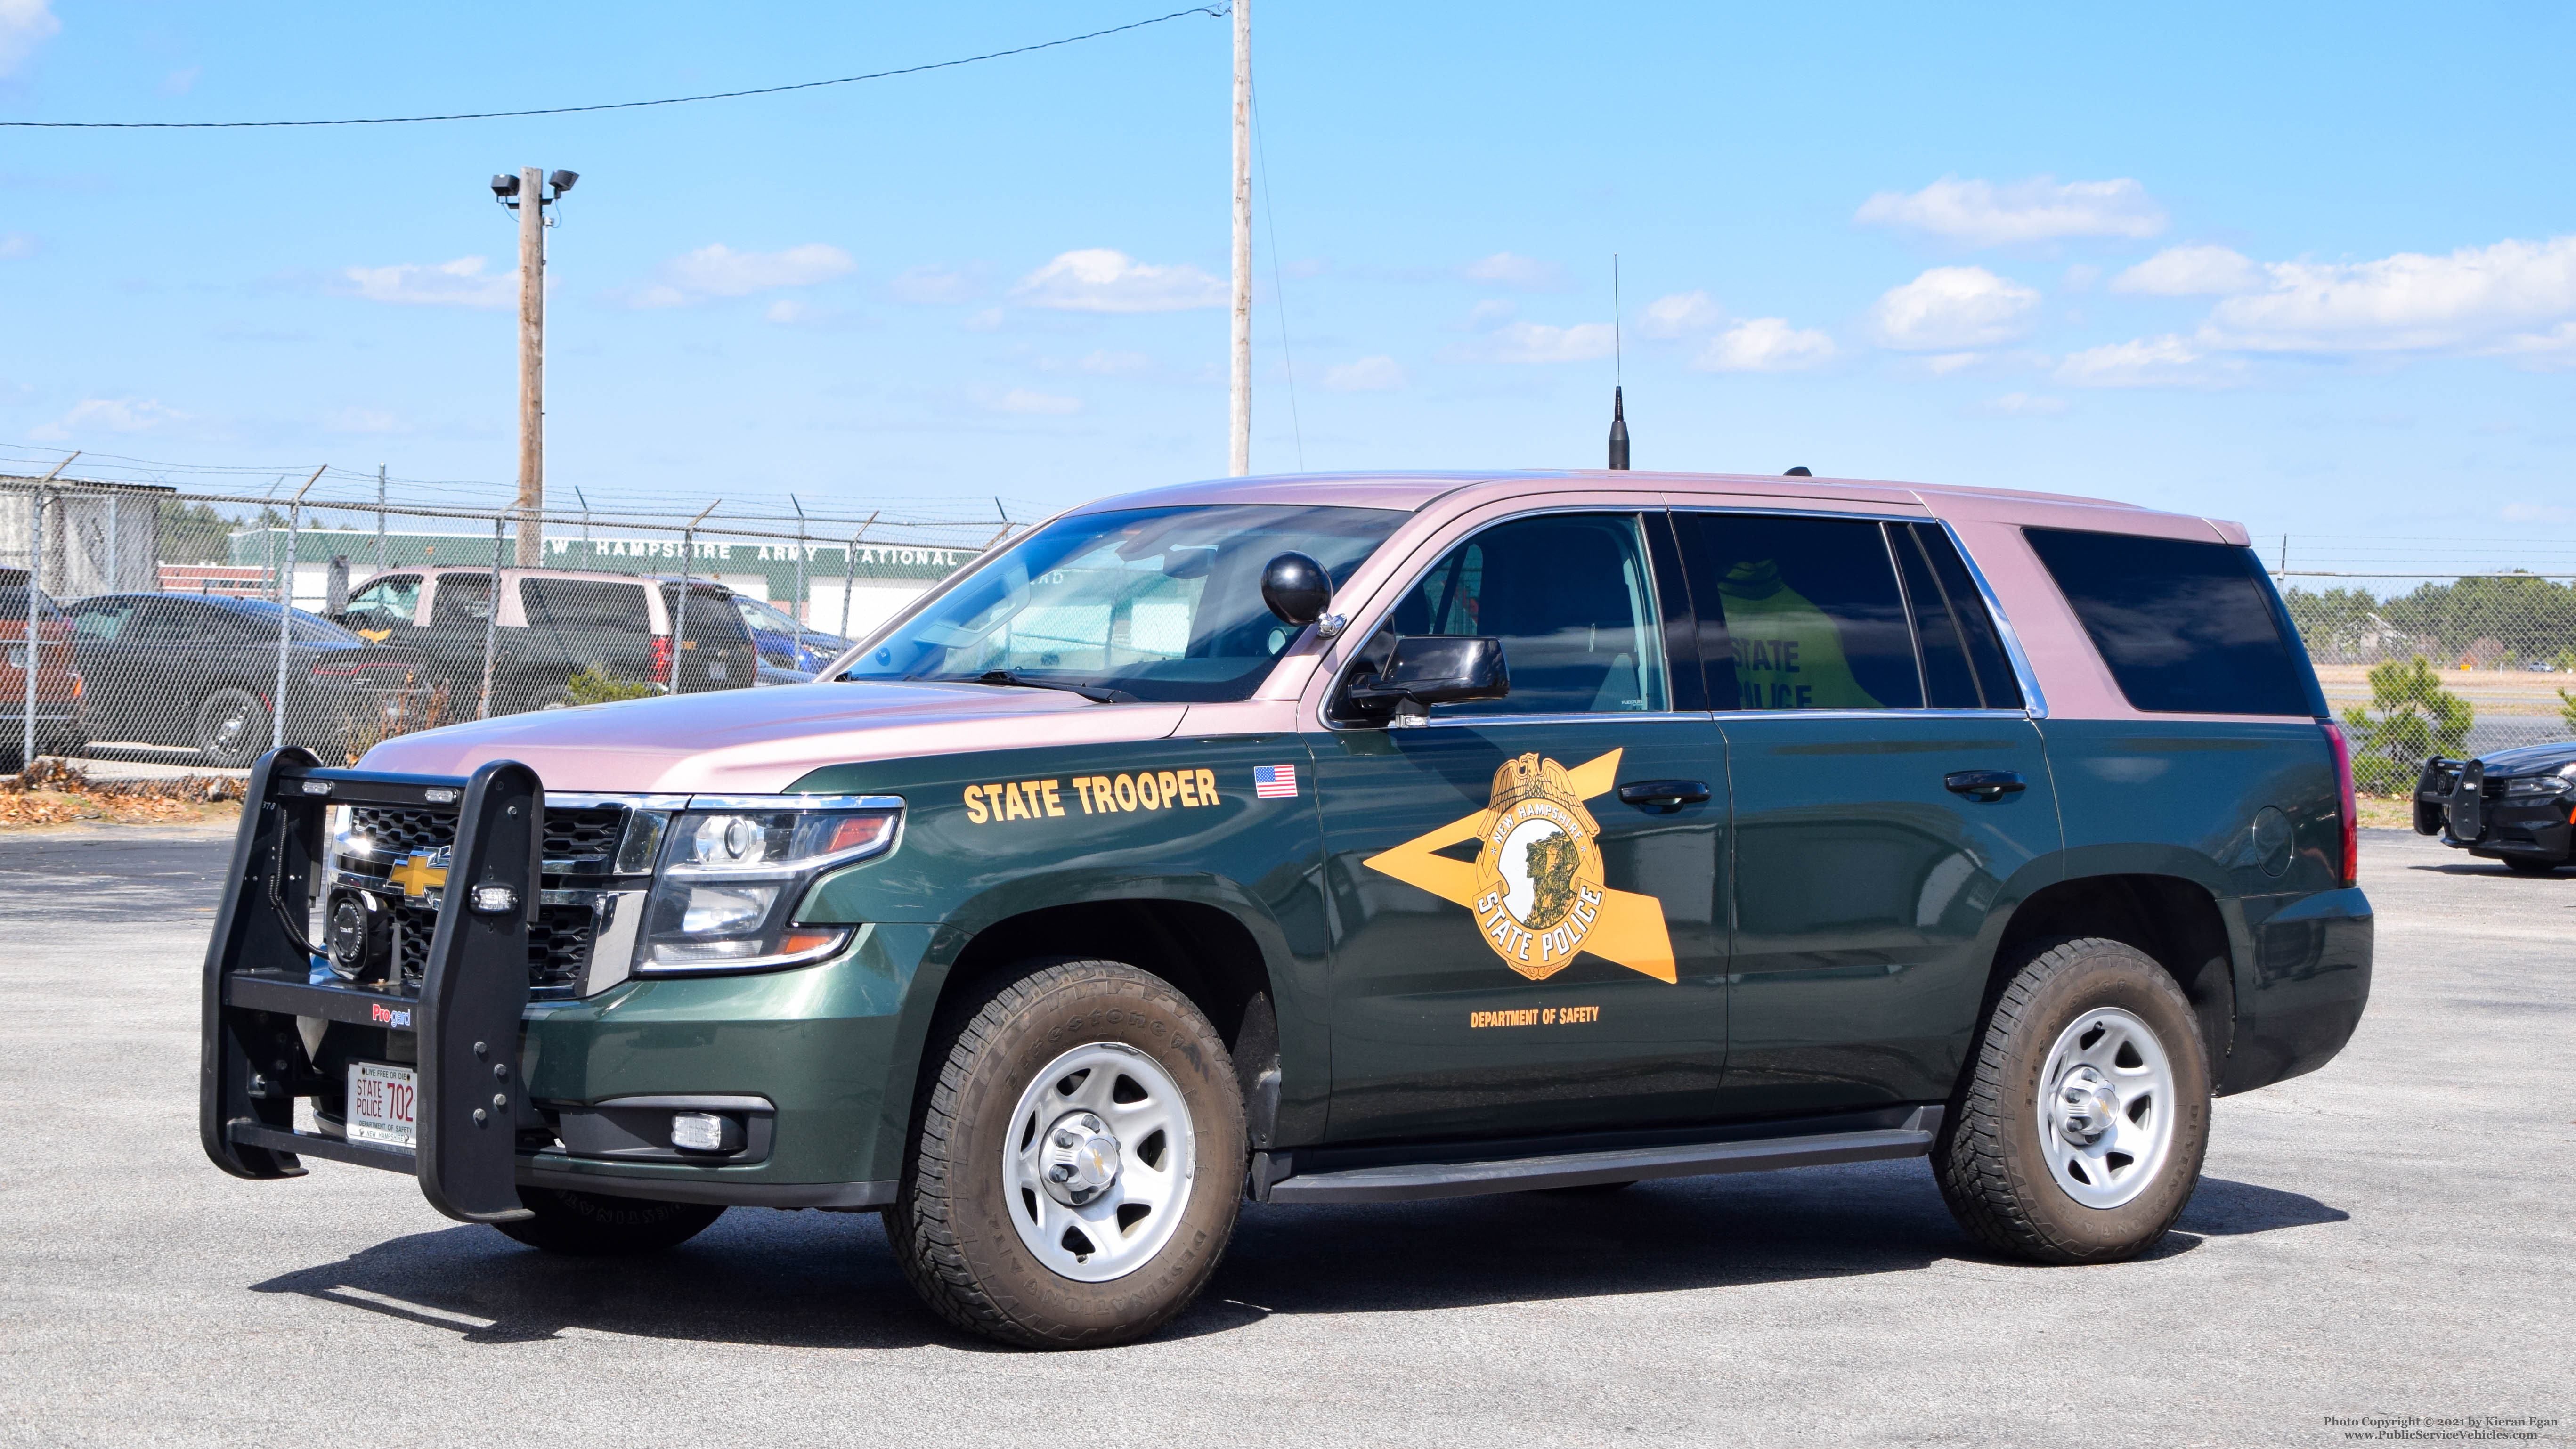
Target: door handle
[1987,785]
[1664,795]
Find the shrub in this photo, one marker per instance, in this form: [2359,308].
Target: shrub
[595,685]
[2411,717]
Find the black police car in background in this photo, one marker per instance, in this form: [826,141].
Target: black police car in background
[200,671]
[2515,805]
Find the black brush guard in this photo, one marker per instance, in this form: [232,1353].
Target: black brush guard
[260,970]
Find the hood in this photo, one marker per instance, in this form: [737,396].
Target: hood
[760,741]
[2529,759]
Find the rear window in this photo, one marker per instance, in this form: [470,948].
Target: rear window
[584,604]
[2187,628]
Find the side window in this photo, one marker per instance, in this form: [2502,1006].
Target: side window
[1951,617]
[396,598]
[1804,613]
[101,623]
[1572,599]
[2190,628]
[461,599]
[585,605]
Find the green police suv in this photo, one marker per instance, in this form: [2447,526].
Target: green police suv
[1341,839]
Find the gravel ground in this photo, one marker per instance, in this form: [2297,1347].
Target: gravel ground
[2387,1237]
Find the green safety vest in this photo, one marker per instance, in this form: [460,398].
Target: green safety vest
[1788,652]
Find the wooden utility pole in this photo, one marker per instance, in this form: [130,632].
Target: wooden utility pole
[1239,409]
[532,367]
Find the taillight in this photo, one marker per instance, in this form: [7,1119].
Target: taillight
[662,656]
[2344,801]
[79,690]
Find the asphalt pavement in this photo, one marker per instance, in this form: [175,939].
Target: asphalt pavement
[2386,1238]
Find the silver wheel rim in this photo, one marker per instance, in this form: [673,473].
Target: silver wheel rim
[2106,1108]
[1100,1205]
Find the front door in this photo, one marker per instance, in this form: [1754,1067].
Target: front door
[1518,950]
[1889,795]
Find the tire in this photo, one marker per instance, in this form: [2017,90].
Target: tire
[594,1225]
[1025,1087]
[2531,865]
[231,728]
[2015,1162]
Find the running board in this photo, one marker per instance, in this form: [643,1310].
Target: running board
[1407,1183]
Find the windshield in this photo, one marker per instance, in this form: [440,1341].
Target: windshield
[1157,603]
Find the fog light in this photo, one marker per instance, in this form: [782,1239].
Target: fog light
[495,900]
[697,1131]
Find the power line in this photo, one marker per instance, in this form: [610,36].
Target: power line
[1219,11]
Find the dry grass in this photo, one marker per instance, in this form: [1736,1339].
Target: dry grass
[57,793]
[2387,812]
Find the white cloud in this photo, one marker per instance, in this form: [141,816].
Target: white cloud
[1116,364]
[718,270]
[931,286]
[180,82]
[2167,361]
[2552,350]
[1764,344]
[1036,404]
[1680,314]
[1538,342]
[1368,374]
[1100,280]
[370,421]
[2026,405]
[988,320]
[460,283]
[2193,271]
[15,244]
[111,415]
[2499,298]
[1524,274]
[24,25]
[1950,308]
[1980,213]
[2538,513]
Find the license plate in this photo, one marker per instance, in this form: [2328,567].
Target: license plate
[382,1103]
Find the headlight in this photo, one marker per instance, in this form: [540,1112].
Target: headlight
[734,870]
[2535,785]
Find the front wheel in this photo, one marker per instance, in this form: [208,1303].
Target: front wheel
[2078,1132]
[1077,1163]
[232,728]
[595,1225]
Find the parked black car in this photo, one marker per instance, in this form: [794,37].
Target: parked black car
[200,671]
[554,624]
[2517,806]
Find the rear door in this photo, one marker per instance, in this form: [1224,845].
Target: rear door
[1518,950]
[100,648]
[1889,792]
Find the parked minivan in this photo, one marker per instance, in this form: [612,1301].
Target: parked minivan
[1346,839]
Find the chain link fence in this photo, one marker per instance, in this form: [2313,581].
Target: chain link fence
[2451,647]
[148,624]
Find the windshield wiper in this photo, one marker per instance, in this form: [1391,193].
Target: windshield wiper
[1093,692]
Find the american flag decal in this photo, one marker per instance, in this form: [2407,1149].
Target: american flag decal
[1274,782]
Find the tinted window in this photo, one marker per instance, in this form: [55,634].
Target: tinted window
[1572,600]
[712,617]
[2187,628]
[1800,613]
[585,604]
[396,598]
[100,622]
[461,599]
[1985,645]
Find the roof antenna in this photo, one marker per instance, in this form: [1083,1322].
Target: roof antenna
[1618,379]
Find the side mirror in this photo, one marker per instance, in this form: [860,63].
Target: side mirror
[1296,588]
[1429,669]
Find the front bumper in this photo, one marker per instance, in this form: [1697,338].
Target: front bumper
[795,1059]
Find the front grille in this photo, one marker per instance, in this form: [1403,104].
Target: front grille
[586,832]
[558,943]
[396,831]
[573,832]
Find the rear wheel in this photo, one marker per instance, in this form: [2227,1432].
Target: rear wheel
[594,1225]
[2077,1134]
[2531,864]
[232,728]
[1077,1161]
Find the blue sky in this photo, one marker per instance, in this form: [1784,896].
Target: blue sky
[2313,268]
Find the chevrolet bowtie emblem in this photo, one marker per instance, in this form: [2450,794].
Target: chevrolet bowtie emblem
[417,876]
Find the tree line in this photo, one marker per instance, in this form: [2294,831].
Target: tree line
[2506,621]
